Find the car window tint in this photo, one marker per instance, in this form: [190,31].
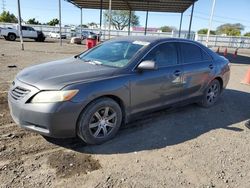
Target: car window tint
[191,53]
[205,56]
[24,28]
[164,55]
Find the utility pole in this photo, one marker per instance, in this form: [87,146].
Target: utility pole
[210,22]
[81,24]
[3,5]
[60,22]
[20,24]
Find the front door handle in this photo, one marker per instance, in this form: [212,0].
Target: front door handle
[177,73]
[211,66]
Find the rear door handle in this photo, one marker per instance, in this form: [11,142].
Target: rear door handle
[211,66]
[177,73]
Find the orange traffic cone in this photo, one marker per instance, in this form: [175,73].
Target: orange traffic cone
[225,52]
[247,78]
[218,50]
[235,53]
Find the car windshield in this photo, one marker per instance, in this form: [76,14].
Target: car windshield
[115,54]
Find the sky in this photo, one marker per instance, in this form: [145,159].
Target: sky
[226,11]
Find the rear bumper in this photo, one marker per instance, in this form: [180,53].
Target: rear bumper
[50,119]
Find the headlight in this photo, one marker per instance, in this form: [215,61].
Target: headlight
[54,96]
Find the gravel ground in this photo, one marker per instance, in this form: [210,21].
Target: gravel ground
[184,147]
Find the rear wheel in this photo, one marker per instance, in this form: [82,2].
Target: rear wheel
[211,94]
[40,39]
[12,37]
[100,121]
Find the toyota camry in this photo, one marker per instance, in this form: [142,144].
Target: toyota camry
[92,94]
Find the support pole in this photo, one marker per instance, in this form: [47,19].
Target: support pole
[81,24]
[180,25]
[101,14]
[20,24]
[210,22]
[60,23]
[110,14]
[146,24]
[129,22]
[190,23]
[100,30]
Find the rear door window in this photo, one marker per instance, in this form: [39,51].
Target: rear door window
[192,53]
[30,29]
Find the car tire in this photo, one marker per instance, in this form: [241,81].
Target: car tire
[211,94]
[11,36]
[100,121]
[40,39]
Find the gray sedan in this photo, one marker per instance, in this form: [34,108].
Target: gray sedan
[92,94]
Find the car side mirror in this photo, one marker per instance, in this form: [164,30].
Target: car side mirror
[147,65]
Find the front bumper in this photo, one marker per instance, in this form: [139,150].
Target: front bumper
[50,119]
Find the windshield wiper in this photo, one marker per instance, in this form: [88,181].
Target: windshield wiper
[96,62]
[93,62]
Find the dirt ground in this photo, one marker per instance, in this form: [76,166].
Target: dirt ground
[184,147]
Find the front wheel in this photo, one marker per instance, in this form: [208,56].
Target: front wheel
[100,121]
[211,94]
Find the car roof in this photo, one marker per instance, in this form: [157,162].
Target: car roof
[150,39]
[157,39]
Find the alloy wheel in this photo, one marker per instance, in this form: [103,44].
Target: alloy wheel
[212,93]
[102,122]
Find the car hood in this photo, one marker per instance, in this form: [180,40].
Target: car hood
[58,74]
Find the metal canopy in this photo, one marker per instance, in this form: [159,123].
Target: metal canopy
[178,6]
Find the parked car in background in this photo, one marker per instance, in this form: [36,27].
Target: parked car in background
[28,32]
[86,34]
[90,95]
[56,34]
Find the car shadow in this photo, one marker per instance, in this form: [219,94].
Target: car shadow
[171,127]
[239,59]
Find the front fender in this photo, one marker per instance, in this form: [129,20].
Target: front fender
[118,87]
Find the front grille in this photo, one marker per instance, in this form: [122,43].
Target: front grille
[18,93]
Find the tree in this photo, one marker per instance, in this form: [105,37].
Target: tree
[53,22]
[247,34]
[92,25]
[33,21]
[84,26]
[204,31]
[120,18]
[230,29]
[167,28]
[6,16]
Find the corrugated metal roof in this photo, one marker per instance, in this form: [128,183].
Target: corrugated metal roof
[137,5]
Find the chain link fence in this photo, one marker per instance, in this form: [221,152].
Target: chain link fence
[214,40]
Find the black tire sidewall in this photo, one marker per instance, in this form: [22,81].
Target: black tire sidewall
[83,124]
[204,102]
[14,37]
